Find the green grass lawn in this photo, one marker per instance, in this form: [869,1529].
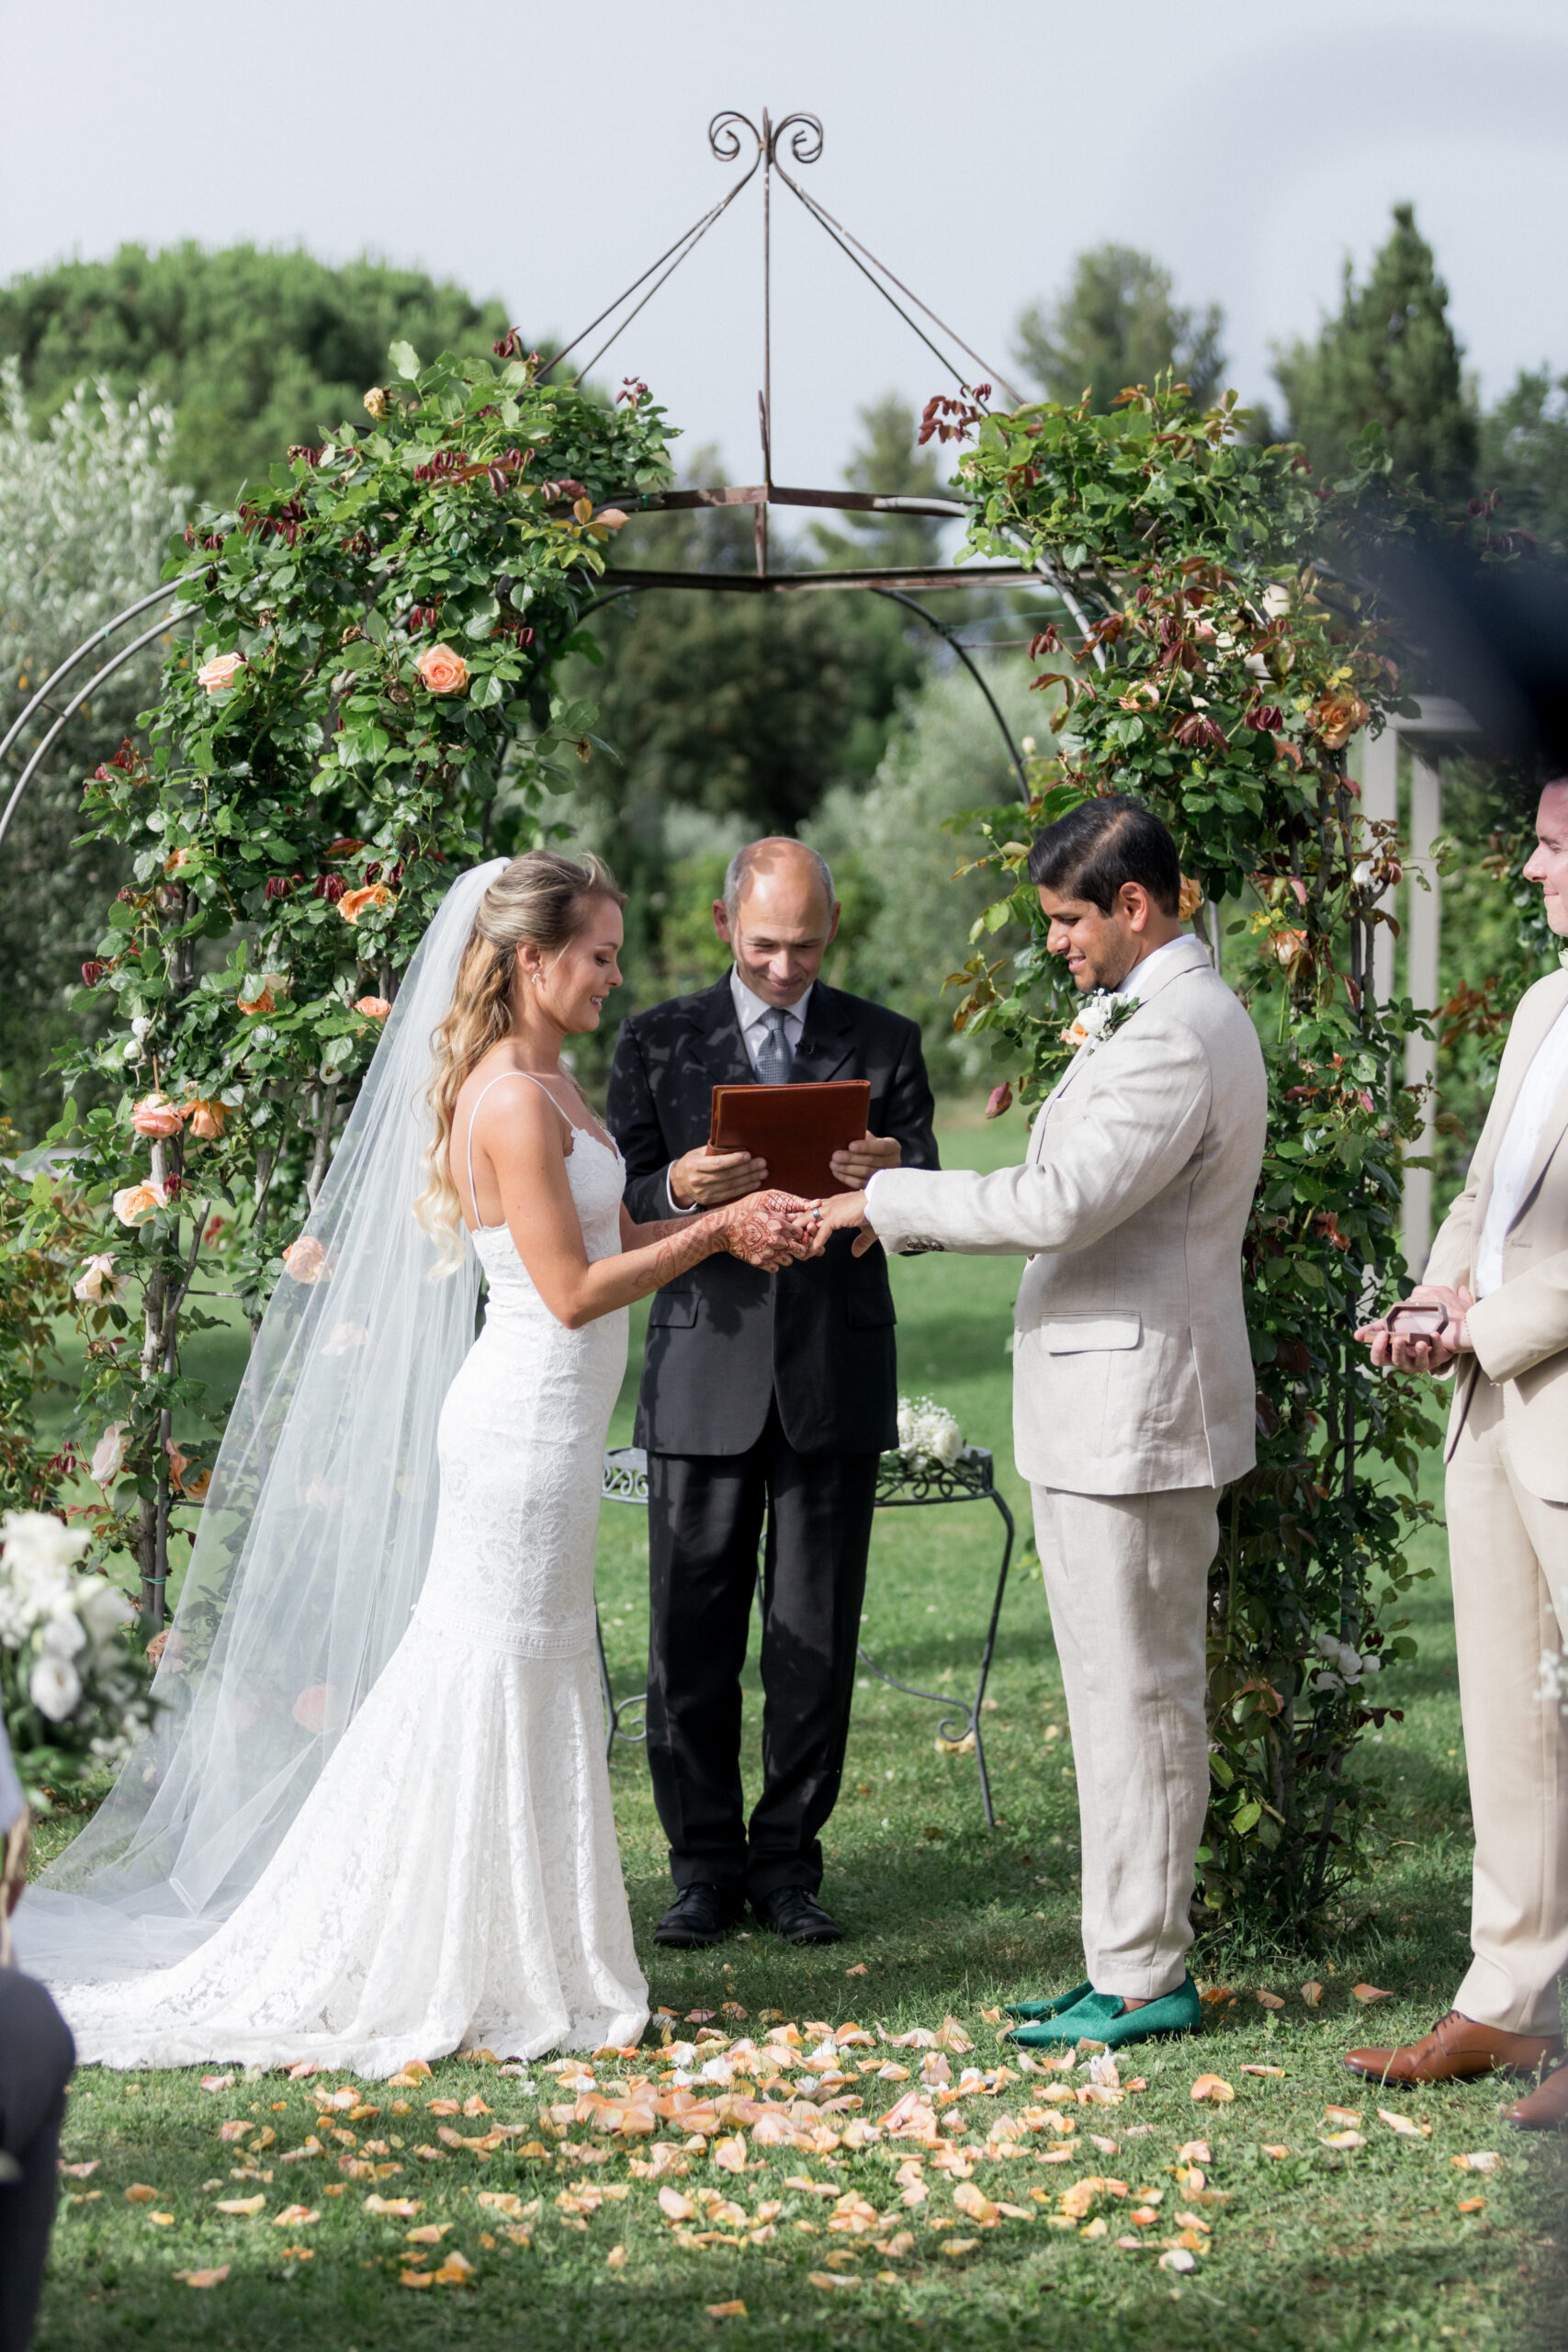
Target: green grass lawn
[1324,2248]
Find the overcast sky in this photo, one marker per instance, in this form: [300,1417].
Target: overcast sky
[546,153]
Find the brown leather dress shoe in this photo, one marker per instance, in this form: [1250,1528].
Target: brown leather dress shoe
[1455,2050]
[1545,2110]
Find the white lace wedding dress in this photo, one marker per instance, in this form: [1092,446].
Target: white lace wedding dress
[453,1879]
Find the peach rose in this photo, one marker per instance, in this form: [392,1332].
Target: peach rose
[1289,946]
[319,1708]
[1191,898]
[219,674]
[375,401]
[444,671]
[305,1258]
[261,1000]
[134,1204]
[374,1008]
[156,1115]
[1335,718]
[164,1648]
[353,903]
[207,1119]
[177,860]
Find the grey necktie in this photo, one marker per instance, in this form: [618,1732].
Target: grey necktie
[774,1055]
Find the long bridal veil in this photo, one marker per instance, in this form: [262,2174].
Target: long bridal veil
[313,1539]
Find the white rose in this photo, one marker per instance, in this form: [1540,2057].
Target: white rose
[1372,1664]
[54,1686]
[103,1608]
[63,1635]
[1330,1682]
[98,1276]
[35,1543]
[108,1454]
[947,1440]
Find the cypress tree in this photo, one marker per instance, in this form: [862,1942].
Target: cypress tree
[1391,356]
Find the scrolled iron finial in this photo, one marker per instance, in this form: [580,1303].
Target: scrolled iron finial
[805,144]
[724,143]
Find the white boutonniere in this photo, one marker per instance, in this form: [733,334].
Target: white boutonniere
[1099,1016]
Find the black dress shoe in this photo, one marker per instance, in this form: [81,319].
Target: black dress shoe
[699,1916]
[797,1917]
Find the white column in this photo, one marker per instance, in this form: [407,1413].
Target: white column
[1378,774]
[1422,939]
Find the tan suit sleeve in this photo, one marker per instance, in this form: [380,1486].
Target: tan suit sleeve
[1144,1121]
[1522,1324]
[1453,1252]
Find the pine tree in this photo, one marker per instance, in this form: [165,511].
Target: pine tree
[1390,356]
[1118,323]
[1524,456]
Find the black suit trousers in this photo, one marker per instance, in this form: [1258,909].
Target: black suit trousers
[707,1514]
[36,2059]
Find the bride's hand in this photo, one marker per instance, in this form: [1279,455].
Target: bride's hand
[767,1229]
[842,1213]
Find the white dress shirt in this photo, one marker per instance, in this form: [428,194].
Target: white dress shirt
[752,1013]
[1544,1082]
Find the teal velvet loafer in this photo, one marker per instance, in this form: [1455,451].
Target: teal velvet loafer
[1036,2011]
[1105,2017]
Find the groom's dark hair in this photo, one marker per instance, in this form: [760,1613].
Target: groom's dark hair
[1095,848]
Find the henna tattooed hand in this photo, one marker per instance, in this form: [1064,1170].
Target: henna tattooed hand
[767,1229]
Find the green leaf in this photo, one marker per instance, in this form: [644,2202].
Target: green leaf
[405,359]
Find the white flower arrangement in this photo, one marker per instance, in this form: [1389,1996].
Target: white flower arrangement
[1343,1667]
[74,1692]
[929,1437]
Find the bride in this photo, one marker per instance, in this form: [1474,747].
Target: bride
[373,1823]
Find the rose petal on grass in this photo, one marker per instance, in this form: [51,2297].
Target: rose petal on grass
[1177,2257]
[1404,2125]
[164,2221]
[204,2278]
[241,2205]
[735,2310]
[1263,2070]
[400,2209]
[1365,1993]
[829,2278]
[295,2217]
[1471,2204]
[1312,1992]
[416,2279]
[1276,2148]
[617,2258]
[82,2172]
[1193,2152]
[958,2247]
[1213,2086]
[218,2082]
[1342,2115]
[296,2254]
[1343,2139]
[139,2194]
[1267,2000]
[730,2154]
[1484,2160]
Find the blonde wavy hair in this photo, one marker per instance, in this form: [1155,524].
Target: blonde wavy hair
[541,900]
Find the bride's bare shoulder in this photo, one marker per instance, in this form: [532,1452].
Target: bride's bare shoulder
[521,1110]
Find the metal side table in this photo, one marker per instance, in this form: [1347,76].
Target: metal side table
[969,1479]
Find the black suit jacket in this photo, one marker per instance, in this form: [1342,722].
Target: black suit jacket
[725,1339]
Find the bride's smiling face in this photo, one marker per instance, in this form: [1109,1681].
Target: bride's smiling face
[570,985]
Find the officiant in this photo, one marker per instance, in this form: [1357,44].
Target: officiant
[766,1402]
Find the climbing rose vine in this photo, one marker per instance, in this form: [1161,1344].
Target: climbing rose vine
[1220,661]
[365,706]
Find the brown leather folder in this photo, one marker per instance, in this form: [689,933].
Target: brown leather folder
[796,1129]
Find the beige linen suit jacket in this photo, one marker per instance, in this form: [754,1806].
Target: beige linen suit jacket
[1131,1372]
[1519,1332]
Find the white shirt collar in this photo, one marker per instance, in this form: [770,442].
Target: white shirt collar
[750,1011]
[1137,980]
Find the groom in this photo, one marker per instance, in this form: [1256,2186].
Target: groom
[763,1396]
[1132,1383]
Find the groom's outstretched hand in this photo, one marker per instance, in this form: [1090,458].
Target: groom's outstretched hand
[843,1211]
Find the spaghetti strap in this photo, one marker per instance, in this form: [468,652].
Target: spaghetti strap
[479,1226]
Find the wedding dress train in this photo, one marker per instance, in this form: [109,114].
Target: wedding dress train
[453,1878]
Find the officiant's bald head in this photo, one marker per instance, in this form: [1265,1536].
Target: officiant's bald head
[778,915]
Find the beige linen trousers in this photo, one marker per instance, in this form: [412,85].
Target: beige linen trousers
[1133,1403]
[1506,1497]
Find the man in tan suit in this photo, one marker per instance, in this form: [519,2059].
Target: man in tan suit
[1499,1270]
[1133,1395]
